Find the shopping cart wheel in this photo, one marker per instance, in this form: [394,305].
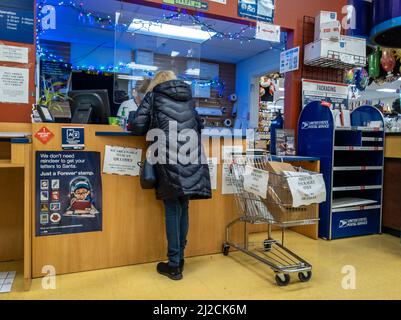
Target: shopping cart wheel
[305,276]
[226,249]
[282,279]
[267,245]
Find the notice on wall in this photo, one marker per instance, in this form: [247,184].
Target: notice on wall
[306,188]
[212,162]
[73,138]
[122,161]
[257,9]
[68,193]
[267,32]
[17,20]
[227,186]
[14,85]
[289,60]
[256,181]
[13,54]
[333,94]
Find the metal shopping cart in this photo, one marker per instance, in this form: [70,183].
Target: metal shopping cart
[276,210]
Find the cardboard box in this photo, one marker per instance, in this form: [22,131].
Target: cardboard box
[353,45]
[329,30]
[322,18]
[278,185]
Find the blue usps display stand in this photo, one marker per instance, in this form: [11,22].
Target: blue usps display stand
[351,161]
[17,20]
[73,138]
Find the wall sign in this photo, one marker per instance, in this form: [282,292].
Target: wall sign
[334,94]
[14,85]
[68,193]
[212,162]
[199,5]
[13,54]
[289,60]
[227,186]
[267,32]
[44,135]
[73,138]
[257,9]
[122,161]
[17,20]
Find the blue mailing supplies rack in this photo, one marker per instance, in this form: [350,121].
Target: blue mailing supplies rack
[351,161]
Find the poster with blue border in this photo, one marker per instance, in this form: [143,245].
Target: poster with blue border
[17,20]
[262,10]
[68,192]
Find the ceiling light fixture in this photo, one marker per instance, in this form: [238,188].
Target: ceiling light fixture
[186,33]
[387,90]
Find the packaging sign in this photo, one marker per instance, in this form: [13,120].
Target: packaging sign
[212,162]
[257,9]
[195,4]
[17,20]
[14,85]
[73,138]
[122,161]
[68,192]
[333,94]
[13,54]
[306,188]
[289,60]
[44,135]
[256,181]
[267,32]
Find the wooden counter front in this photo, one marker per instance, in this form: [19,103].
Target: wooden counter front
[133,220]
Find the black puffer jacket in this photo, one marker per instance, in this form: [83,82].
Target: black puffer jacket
[170,104]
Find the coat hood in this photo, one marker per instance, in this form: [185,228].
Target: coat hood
[175,89]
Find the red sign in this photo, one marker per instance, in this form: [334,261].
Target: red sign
[44,135]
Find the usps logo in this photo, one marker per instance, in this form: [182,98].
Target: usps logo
[73,138]
[348,223]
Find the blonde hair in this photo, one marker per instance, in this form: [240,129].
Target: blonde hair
[144,86]
[161,77]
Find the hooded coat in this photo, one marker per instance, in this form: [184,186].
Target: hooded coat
[185,171]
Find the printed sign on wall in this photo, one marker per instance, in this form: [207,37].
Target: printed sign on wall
[13,54]
[14,85]
[335,94]
[289,60]
[194,4]
[122,161]
[17,20]
[257,9]
[267,32]
[68,193]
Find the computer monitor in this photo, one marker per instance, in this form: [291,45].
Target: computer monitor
[89,106]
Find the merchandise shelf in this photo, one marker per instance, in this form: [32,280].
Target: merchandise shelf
[357,168]
[337,60]
[356,208]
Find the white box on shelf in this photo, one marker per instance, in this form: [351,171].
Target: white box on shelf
[320,48]
[329,30]
[323,17]
[353,45]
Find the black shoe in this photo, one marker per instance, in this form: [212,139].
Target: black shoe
[182,262]
[174,273]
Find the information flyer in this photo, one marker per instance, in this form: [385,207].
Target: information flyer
[212,162]
[68,193]
[122,161]
[14,85]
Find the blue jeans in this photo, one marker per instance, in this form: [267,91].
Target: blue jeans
[176,228]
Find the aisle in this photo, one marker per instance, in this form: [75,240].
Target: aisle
[376,259]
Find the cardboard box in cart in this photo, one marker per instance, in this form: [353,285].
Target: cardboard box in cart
[279,198]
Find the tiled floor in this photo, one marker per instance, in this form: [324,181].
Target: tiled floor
[376,259]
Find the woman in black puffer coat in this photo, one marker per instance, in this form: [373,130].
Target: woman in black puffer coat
[169,107]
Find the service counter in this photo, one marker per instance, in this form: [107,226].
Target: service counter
[133,220]
[392,184]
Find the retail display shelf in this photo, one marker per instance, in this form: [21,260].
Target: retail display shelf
[357,168]
[357,148]
[6,163]
[357,188]
[356,208]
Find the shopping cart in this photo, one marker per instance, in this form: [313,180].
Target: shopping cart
[274,210]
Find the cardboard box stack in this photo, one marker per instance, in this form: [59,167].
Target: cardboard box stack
[327,26]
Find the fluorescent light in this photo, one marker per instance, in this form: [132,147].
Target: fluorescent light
[281,89]
[387,90]
[127,77]
[175,53]
[193,72]
[171,31]
[141,67]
